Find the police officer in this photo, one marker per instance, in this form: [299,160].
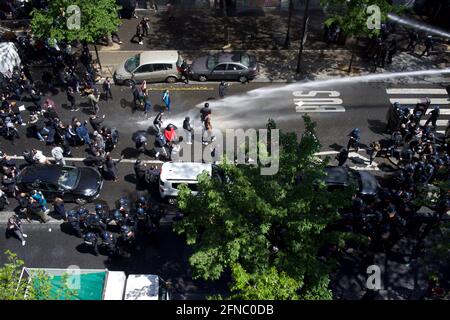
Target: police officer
[109,242]
[206,110]
[354,139]
[118,218]
[73,218]
[91,240]
[434,115]
[94,223]
[428,46]
[103,213]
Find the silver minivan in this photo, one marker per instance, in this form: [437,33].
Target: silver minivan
[151,66]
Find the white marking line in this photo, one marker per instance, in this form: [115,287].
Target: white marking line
[438,123]
[417,100]
[416,91]
[319,109]
[440,131]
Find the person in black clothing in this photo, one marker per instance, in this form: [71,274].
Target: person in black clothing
[96,122]
[139,34]
[107,89]
[111,171]
[434,115]
[185,72]
[206,110]
[428,46]
[413,39]
[71,98]
[188,129]
[14,227]
[392,50]
[157,122]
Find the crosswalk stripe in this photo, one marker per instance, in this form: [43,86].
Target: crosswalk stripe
[416,91]
[438,123]
[417,100]
[442,110]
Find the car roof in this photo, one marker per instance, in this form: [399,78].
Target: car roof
[336,175]
[158,56]
[234,57]
[45,173]
[183,170]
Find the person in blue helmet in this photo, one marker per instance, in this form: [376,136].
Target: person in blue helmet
[353,142]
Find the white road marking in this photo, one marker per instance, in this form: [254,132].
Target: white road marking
[319,109]
[438,123]
[440,131]
[417,100]
[15,157]
[373,167]
[416,91]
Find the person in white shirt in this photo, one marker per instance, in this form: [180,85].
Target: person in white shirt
[39,157]
[57,154]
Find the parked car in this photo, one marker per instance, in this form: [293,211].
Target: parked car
[225,66]
[151,66]
[72,184]
[342,177]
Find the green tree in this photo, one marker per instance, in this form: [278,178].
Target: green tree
[12,287]
[352,17]
[97,18]
[267,230]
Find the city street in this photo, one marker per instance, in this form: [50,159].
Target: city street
[362,105]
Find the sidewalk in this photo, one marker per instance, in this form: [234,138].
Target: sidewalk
[200,33]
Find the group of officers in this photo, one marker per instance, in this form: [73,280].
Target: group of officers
[115,230]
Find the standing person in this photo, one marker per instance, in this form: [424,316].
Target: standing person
[434,115]
[94,98]
[71,98]
[188,129]
[139,34]
[375,147]
[24,200]
[107,89]
[96,122]
[428,46]
[145,22]
[39,197]
[392,50]
[205,111]
[413,39]
[185,72]
[58,208]
[223,89]
[14,227]
[111,167]
[135,88]
[58,155]
[342,157]
[147,103]
[166,99]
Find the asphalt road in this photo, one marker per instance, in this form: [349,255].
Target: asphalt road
[363,105]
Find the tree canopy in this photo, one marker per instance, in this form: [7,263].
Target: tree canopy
[269,232]
[96,18]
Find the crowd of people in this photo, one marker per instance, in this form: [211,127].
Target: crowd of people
[421,160]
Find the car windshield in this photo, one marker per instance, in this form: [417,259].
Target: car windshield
[211,62]
[242,58]
[132,63]
[68,178]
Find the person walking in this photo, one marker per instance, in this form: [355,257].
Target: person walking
[222,89]
[375,147]
[166,99]
[157,122]
[111,167]
[71,98]
[185,72]
[413,39]
[392,50]
[188,130]
[58,155]
[138,34]
[354,139]
[96,122]
[434,115]
[13,226]
[145,22]
[107,89]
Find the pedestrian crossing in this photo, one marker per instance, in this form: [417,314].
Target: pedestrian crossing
[409,97]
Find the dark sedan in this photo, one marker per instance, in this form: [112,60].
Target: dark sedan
[73,184]
[341,177]
[225,66]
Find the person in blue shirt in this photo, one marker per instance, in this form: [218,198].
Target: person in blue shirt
[166,99]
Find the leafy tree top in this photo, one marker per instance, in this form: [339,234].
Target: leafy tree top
[97,18]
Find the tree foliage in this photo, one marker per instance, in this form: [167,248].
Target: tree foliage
[12,287]
[266,230]
[352,15]
[99,17]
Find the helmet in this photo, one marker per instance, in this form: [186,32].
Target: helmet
[140,212]
[206,105]
[106,235]
[98,207]
[436,108]
[356,130]
[72,213]
[142,200]
[82,211]
[396,104]
[117,215]
[125,229]
[123,201]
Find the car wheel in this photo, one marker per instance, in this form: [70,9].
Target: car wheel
[202,78]
[243,79]
[171,80]
[81,201]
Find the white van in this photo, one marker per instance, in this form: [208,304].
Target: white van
[174,174]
